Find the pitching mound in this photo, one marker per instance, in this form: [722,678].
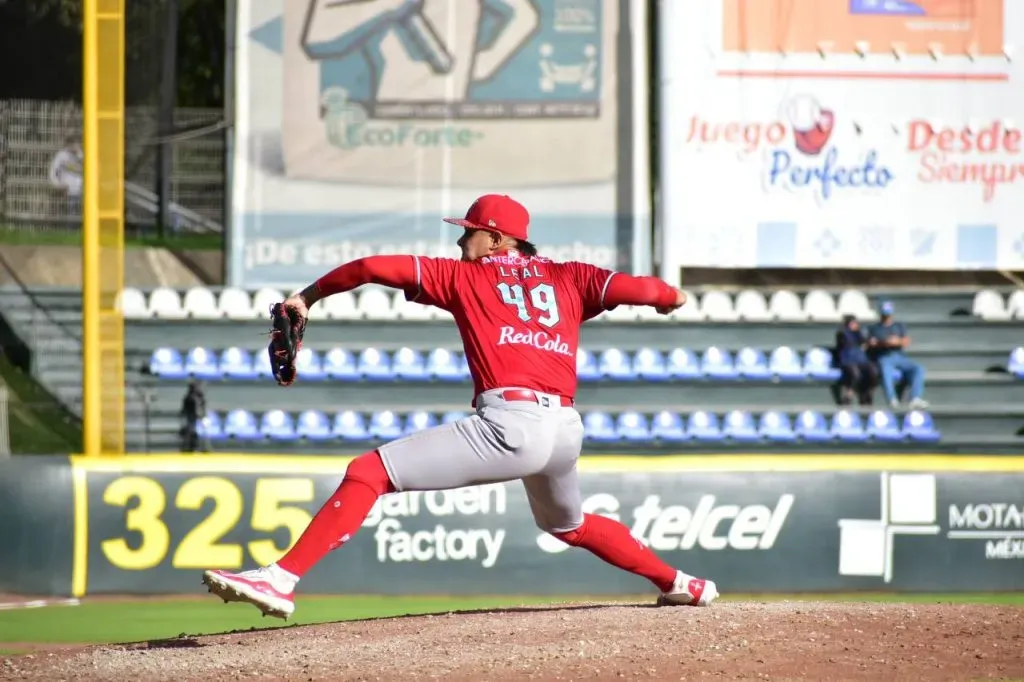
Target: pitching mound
[778,640]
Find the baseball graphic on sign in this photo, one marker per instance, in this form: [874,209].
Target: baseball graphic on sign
[812,124]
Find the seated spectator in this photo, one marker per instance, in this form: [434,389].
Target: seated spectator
[859,374]
[887,343]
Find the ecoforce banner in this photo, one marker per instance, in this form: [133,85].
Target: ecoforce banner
[359,125]
[835,133]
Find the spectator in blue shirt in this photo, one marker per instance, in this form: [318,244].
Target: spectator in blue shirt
[887,343]
[859,374]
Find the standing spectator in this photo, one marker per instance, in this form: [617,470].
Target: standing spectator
[193,411]
[66,174]
[859,374]
[887,342]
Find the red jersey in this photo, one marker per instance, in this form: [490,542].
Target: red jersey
[519,317]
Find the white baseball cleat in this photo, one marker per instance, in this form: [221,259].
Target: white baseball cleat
[689,591]
[264,588]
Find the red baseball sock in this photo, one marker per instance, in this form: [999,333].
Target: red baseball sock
[612,542]
[342,515]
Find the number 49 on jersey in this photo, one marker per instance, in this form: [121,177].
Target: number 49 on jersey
[542,300]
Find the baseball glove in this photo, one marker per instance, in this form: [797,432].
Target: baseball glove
[285,342]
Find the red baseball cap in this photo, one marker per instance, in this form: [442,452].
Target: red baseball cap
[496,213]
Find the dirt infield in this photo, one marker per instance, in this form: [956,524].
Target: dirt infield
[744,641]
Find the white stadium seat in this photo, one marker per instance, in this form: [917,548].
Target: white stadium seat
[342,306]
[717,307]
[820,306]
[751,306]
[410,310]
[165,303]
[855,302]
[318,311]
[689,312]
[989,305]
[263,299]
[132,304]
[1015,304]
[235,304]
[201,304]
[622,313]
[784,306]
[377,304]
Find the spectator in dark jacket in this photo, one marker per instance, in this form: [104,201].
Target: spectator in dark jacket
[193,411]
[887,341]
[859,374]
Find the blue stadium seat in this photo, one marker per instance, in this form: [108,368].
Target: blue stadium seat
[310,365]
[419,420]
[374,364]
[410,365]
[812,426]
[586,365]
[920,426]
[751,363]
[740,426]
[349,425]
[1015,365]
[261,364]
[818,365]
[201,363]
[703,425]
[784,363]
[716,363]
[882,425]
[464,372]
[848,426]
[385,425]
[776,427]
[277,425]
[614,363]
[340,363]
[682,363]
[649,364]
[668,426]
[599,426]
[313,425]
[166,363]
[453,416]
[211,427]
[445,365]
[632,426]
[236,363]
[241,425]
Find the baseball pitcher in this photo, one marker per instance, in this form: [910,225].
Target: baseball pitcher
[519,317]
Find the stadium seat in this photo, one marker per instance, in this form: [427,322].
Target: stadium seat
[632,426]
[751,306]
[784,363]
[210,427]
[377,304]
[349,425]
[200,304]
[1015,305]
[882,425]
[374,364]
[614,364]
[1015,365]
[464,372]
[261,363]
[586,365]
[739,425]
[716,363]
[649,364]
[818,365]
[236,363]
[703,425]
[309,365]
[646,313]
[848,426]
[690,312]
[201,363]
[410,310]
[812,426]
[241,425]
[751,363]
[263,300]
[776,426]
[599,426]
[318,311]
[668,426]
[165,303]
[167,363]
[342,307]
[621,313]
[385,425]
[453,416]
[820,306]
[716,306]
[132,304]
[920,426]
[855,302]
[784,306]
[409,364]
[313,425]
[444,364]
[235,304]
[682,363]
[277,425]
[419,420]
[988,304]
[339,363]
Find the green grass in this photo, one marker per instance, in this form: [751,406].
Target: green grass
[58,237]
[130,621]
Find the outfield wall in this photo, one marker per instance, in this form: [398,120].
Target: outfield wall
[152,523]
